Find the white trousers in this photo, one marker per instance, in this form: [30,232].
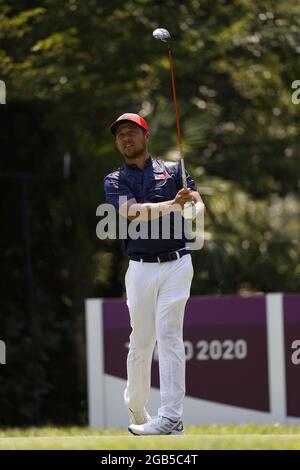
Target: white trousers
[156,297]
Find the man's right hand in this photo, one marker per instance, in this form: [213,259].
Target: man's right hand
[183,196]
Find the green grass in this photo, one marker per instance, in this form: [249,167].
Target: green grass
[213,437]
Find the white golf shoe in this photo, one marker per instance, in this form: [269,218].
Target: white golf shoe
[139,417]
[158,426]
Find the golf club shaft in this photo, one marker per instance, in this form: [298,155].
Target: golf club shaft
[184,184]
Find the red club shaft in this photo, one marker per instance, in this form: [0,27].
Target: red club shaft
[177,117]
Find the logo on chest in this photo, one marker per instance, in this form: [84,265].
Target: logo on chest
[162,176]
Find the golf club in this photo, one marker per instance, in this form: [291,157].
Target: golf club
[163,35]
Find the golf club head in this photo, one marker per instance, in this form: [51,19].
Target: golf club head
[161,34]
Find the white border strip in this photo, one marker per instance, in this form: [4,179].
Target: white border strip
[196,411]
[2,92]
[276,356]
[95,362]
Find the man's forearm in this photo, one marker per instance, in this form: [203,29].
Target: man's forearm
[150,210]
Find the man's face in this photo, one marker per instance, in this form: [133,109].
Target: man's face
[131,140]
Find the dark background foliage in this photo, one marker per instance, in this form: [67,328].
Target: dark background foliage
[70,68]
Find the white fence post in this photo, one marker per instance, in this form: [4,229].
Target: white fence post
[95,363]
[276,356]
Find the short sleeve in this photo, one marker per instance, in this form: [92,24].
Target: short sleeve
[189,180]
[115,187]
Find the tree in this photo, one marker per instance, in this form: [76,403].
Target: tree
[70,68]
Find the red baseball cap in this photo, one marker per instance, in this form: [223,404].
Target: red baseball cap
[129,117]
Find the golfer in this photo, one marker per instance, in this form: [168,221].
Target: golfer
[158,278]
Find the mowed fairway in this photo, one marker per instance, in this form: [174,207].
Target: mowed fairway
[198,438]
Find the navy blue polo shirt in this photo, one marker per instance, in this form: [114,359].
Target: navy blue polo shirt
[158,181]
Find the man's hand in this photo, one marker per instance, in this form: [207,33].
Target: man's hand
[183,196]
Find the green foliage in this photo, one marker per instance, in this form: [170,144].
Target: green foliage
[70,68]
